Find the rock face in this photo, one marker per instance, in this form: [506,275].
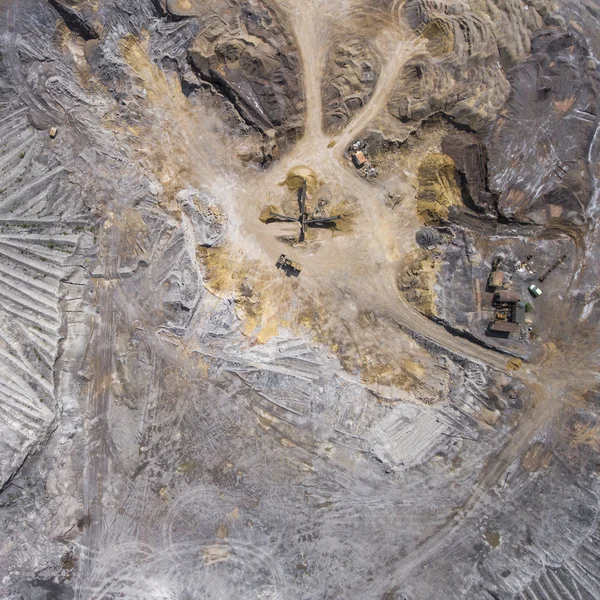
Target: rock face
[351,76]
[545,128]
[427,237]
[43,218]
[462,53]
[470,47]
[249,58]
[470,158]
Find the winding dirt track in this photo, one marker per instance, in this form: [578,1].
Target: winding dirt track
[311,21]
[548,396]
[325,154]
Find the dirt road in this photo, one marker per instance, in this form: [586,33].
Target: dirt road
[213,457]
[367,260]
[98,453]
[545,380]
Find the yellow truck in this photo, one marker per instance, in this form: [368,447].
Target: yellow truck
[288,266]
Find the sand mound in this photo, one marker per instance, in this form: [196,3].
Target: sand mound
[438,188]
[297,175]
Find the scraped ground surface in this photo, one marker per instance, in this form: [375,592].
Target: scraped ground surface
[181,420]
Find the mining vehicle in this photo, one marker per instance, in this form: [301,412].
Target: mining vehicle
[290,267]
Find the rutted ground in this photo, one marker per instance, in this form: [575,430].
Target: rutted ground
[246,434]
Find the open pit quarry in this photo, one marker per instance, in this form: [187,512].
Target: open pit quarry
[299,299]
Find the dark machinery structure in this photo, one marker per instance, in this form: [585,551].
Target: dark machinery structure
[304,219]
[554,265]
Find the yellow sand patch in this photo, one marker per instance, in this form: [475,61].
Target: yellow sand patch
[348,214]
[400,374]
[514,364]
[262,301]
[358,348]
[135,53]
[265,420]
[438,188]
[265,214]
[168,140]
[298,175]
[417,279]
[181,5]
[563,106]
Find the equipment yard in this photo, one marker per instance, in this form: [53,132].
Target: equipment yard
[299,300]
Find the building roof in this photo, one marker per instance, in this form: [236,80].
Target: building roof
[506,326]
[359,159]
[507,296]
[518,313]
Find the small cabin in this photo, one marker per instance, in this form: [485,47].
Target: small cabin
[359,159]
[504,326]
[507,297]
[517,314]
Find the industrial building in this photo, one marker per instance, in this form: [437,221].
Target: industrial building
[506,297]
[509,312]
[503,326]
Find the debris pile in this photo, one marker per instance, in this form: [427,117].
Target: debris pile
[418,279]
[360,158]
[427,238]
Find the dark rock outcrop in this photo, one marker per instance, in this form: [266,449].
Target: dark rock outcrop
[470,157]
[538,145]
[253,64]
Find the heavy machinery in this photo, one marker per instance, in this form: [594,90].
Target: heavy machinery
[289,267]
[303,219]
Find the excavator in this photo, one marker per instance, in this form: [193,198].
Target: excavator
[303,219]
